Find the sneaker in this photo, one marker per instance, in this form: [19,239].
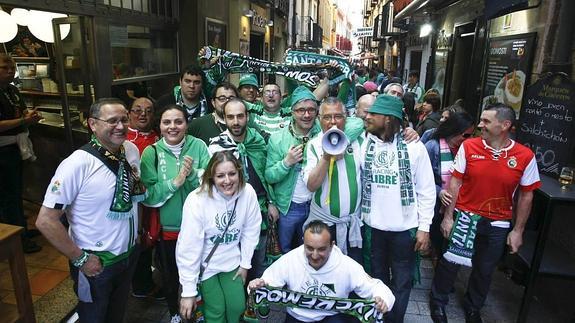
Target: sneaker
[473,317]
[30,246]
[437,313]
[176,319]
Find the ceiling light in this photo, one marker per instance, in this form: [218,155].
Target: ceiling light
[270,23]
[425,30]
[8,27]
[41,25]
[249,13]
[20,15]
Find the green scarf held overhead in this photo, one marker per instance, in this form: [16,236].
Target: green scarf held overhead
[363,310]
[128,189]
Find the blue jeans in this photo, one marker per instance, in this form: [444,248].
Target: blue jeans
[489,246]
[109,289]
[291,226]
[393,262]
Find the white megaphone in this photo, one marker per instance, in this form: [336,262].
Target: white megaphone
[334,141]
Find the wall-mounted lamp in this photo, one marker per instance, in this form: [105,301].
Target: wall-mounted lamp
[270,23]
[425,30]
[249,13]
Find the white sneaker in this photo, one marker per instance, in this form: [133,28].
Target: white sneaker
[176,319]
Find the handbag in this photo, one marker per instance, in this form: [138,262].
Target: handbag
[198,315]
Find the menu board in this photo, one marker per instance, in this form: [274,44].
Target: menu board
[546,123]
[508,68]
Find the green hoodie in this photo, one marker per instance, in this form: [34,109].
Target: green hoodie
[160,166]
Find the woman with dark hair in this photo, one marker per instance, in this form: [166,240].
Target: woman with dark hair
[429,117]
[220,231]
[171,169]
[409,108]
[442,148]
[445,113]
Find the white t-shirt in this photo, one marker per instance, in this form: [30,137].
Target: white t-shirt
[386,209]
[84,187]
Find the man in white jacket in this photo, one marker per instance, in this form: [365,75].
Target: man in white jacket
[318,267]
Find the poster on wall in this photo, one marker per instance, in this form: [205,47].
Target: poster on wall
[216,33]
[26,45]
[508,69]
[440,63]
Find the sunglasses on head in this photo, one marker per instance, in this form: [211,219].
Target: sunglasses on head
[467,135]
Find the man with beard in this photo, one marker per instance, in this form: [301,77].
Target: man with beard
[212,125]
[140,132]
[188,94]
[286,155]
[250,148]
[398,200]
[335,179]
[14,120]
[98,187]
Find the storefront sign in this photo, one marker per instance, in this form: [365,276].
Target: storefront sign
[363,32]
[259,20]
[546,123]
[508,69]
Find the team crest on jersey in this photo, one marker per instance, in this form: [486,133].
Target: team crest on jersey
[512,162]
[56,187]
[384,159]
[223,219]
[314,287]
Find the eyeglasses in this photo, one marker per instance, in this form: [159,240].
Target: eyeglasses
[329,117]
[223,98]
[271,92]
[302,111]
[141,111]
[113,122]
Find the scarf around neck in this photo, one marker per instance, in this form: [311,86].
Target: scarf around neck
[405,180]
[128,188]
[445,162]
[192,111]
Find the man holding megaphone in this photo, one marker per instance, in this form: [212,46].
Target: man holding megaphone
[332,173]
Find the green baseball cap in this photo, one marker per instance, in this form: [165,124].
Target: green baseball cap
[248,79]
[387,105]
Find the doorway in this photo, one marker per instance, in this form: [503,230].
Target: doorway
[257,50]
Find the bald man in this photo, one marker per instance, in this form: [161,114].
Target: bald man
[362,105]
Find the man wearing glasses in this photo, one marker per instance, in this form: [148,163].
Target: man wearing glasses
[336,199]
[270,115]
[98,188]
[286,155]
[212,125]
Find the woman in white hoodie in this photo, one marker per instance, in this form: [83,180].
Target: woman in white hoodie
[221,218]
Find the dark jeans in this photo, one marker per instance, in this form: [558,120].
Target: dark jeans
[166,250]
[11,206]
[291,226]
[110,290]
[393,262]
[337,318]
[353,253]
[489,247]
[142,282]
[259,258]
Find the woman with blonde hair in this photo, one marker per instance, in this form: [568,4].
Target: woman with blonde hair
[219,233]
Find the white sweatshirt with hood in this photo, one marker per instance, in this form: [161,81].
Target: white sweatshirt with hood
[337,278]
[203,221]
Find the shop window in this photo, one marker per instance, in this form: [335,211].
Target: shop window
[139,51]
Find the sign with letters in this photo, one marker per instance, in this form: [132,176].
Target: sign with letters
[546,122]
[363,32]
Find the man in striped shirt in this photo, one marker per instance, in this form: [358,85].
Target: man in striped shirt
[336,199]
[268,116]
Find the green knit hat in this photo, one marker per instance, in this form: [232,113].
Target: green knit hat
[301,93]
[248,79]
[388,105]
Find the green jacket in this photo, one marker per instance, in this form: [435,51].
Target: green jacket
[159,167]
[281,177]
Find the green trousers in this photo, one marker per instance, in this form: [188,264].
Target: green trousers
[224,298]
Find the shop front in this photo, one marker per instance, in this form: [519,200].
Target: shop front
[66,60]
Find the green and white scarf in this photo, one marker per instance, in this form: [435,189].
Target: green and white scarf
[128,189]
[405,180]
[462,238]
[363,310]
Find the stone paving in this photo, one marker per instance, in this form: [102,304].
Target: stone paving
[502,304]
